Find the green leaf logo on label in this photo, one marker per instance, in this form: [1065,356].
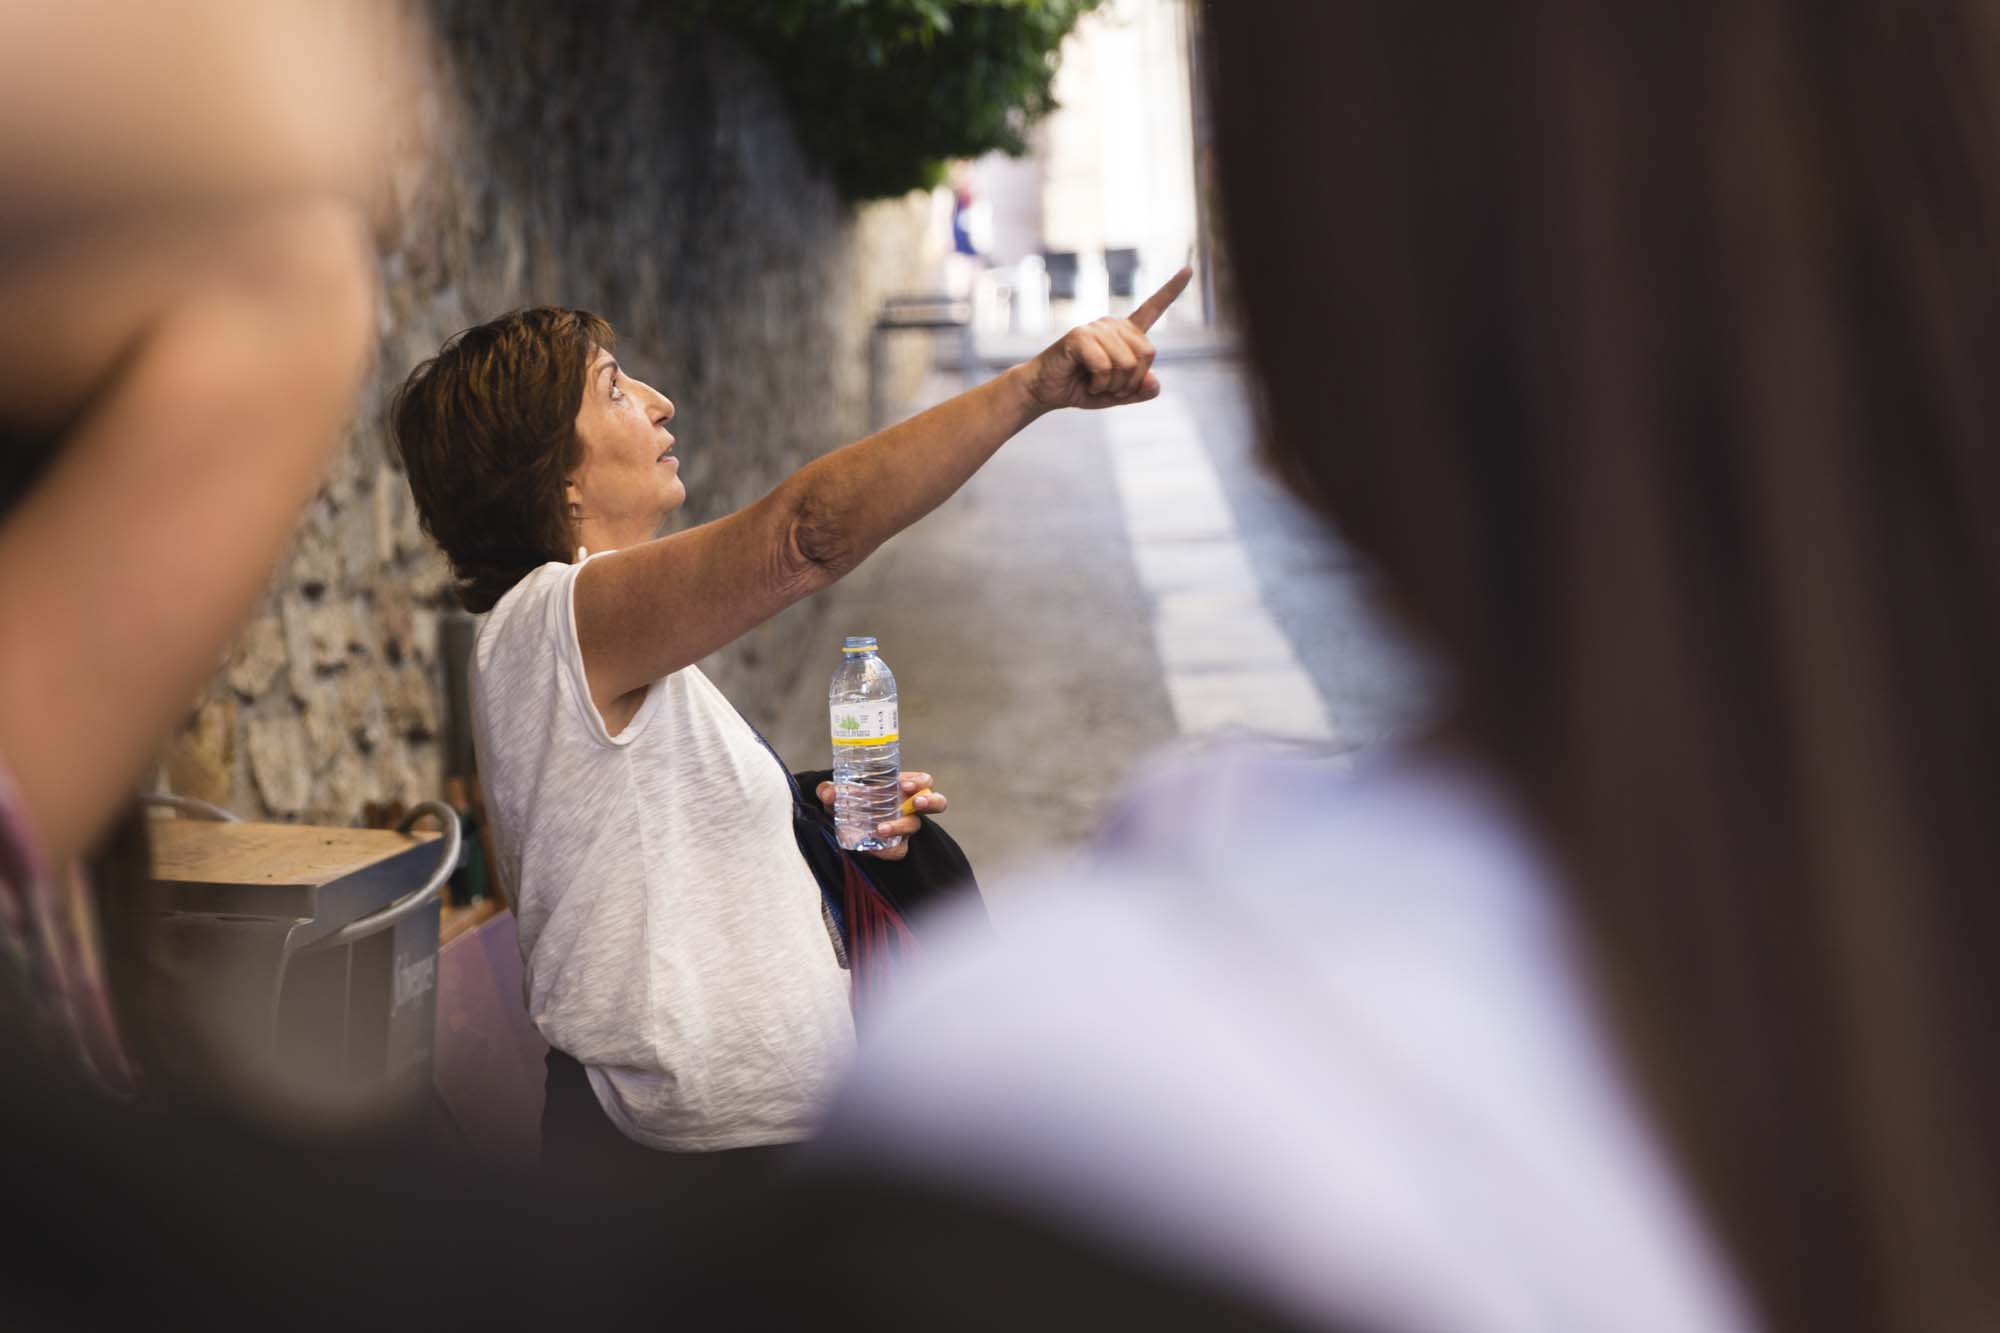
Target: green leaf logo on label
[850,723]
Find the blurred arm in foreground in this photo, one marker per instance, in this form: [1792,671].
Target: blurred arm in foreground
[183,249]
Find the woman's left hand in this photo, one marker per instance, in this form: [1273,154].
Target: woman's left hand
[918,799]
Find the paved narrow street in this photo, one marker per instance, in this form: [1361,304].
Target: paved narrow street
[1111,585]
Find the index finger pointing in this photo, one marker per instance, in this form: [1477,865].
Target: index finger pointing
[1156,305]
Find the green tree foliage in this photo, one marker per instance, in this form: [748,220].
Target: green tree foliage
[884,92]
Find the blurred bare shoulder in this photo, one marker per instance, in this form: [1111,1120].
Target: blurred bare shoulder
[111,104]
[151,151]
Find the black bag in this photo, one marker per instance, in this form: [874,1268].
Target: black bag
[874,900]
[934,873]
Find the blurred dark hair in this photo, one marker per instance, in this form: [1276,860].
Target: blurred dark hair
[487,431]
[1650,349]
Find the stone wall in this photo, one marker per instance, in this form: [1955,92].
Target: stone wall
[590,155]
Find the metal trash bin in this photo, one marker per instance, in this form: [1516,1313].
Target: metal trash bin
[1063,267]
[303,960]
[1122,268]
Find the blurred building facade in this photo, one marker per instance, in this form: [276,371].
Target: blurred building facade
[1110,185]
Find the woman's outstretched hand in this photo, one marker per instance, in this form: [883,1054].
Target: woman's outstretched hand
[918,799]
[1106,362]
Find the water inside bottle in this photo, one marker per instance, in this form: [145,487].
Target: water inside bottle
[867,760]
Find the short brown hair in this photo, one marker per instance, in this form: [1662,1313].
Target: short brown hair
[487,431]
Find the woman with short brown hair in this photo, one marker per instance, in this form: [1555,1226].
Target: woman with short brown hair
[676,944]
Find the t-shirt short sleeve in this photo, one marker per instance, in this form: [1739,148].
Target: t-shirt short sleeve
[672,938]
[534,635]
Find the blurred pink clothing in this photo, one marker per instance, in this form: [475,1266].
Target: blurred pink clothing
[49,946]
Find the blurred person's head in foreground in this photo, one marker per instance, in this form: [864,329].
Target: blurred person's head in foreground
[1649,350]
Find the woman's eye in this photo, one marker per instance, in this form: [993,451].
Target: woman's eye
[617,394]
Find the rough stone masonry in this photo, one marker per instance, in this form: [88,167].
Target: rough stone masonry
[591,156]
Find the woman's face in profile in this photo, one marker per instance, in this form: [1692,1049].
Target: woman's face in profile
[629,471]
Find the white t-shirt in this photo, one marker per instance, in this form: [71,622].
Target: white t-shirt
[672,933]
[1321,1037]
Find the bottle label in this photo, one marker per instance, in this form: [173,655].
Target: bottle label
[864,724]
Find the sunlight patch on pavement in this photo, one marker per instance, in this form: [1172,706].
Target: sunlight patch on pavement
[1230,669]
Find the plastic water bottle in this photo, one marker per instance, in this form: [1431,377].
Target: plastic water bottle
[867,759]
